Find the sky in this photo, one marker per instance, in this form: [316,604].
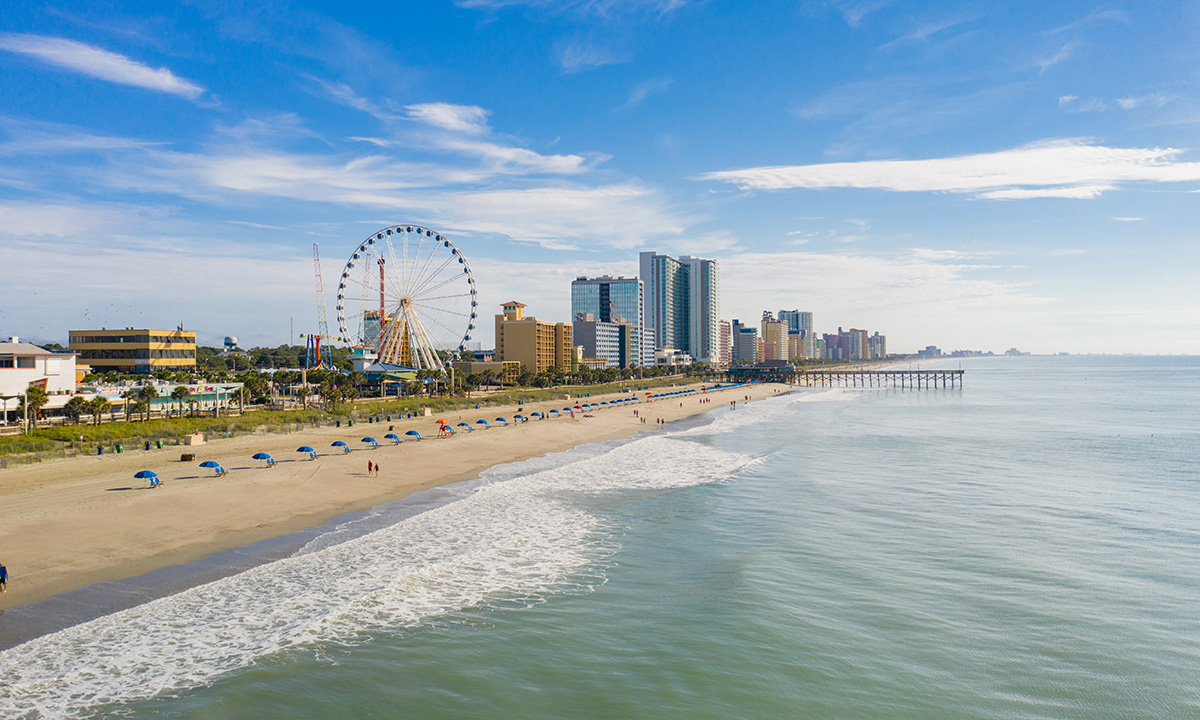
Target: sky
[972,175]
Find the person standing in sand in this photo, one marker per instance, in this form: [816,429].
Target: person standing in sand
[3,577]
[370,468]
[376,469]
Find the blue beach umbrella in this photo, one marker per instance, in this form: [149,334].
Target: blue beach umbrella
[554,412]
[148,475]
[482,422]
[263,456]
[371,440]
[340,443]
[210,463]
[393,437]
[464,425]
[536,415]
[304,448]
[414,433]
[519,416]
[501,420]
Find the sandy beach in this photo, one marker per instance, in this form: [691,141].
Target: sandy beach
[77,521]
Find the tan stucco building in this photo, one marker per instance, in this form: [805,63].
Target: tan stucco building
[537,345]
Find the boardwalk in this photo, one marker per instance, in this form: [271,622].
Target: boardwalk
[914,379]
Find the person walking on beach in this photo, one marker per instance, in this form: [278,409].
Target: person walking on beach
[370,468]
[376,469]
[3,577]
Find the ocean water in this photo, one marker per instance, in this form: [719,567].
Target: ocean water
[1027,546]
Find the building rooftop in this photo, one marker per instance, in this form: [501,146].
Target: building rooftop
[24,348]
[512,302]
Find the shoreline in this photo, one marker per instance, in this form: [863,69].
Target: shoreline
[107,527]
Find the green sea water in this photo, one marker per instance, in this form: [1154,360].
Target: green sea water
[1027,546]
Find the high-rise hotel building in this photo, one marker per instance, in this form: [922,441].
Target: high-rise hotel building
[611,299]
[682,304]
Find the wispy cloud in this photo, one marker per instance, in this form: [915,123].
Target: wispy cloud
[925,32]
[1048,62]
[854,12]
[1099,16]
[645,90]
[604,8]
[1128,219]
[457,118]
[95,62]
[343,94]
[578,55]
[1074,103]
[1052,168]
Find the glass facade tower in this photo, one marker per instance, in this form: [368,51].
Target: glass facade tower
[682,304]
[611,300]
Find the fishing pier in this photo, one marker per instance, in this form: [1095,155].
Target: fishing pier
[829,377]
[904,379]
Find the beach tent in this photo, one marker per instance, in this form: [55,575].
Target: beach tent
[393,437]
[371,440]
[482,422]
[414,433]
[312,454]
[339,443]
[263,456]
[148,475]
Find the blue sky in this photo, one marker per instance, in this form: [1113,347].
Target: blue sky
[972,175]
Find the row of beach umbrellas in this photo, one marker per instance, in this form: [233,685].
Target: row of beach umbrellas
[443,428]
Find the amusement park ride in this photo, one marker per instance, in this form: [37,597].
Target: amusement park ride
[408,294]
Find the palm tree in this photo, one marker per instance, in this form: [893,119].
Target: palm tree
[128,395]
[302,393]
[99,405]
[145,395]
[180,395]
[75,407]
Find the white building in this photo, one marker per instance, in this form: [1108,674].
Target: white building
[24,364]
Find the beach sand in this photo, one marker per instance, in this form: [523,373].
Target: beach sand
[76,521]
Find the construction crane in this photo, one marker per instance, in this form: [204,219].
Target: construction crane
[313,357]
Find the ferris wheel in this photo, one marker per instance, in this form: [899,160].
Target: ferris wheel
[408,292]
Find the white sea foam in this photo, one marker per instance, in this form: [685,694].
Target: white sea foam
[516,539]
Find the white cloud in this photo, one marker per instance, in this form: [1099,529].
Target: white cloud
[456,118]
[645,89]
[579,55]
[1053,168]
[1065,52]
[98,63]
[606,8]
[1077,192]
[1128,219]
[1073,103]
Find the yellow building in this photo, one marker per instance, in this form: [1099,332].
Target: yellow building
[774,339]
[537,345]
[135,351]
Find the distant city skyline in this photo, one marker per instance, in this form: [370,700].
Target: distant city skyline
[978,176]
